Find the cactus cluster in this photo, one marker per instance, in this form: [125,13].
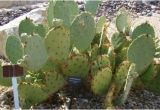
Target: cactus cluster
[74,44]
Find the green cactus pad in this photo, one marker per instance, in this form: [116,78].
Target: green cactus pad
[149,74]
[94,68]
[26,26]
[13,49]
[65,10]
[48,66]
[100,24]
[121,56]
[121,74]
[40,29]
[83,31]
[103,49]
[57,43]
[101,81]
[117,40]
[36,54]
[31,94]
[77,66]
[103,61]
[94,52]
[50,12]
[141,52]
[54,82]
[111,54]
[122,22]
[144,28]
[92,5]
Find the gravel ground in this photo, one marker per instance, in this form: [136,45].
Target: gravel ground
[138,99]
[7,15]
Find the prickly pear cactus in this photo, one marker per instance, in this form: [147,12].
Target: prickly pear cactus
[57,43]
[122,22]
[101,81]
[26,26]
[111,55]
[65,10]
[141,52]
[117,40]
[144,28]
[92,6]
[94,68]
[117,83]
[94,52]
[132,74]
[121,74]
[77,66]
[13,49]
[4,81]
[36,54]
[50,12]
[149,74]
[104,49]
[121,56]
[103,61]
[48,66]
[40,30]
[54,82]
[83,31]
[31,94]
[100,24]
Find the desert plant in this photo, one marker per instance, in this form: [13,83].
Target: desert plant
[76,45]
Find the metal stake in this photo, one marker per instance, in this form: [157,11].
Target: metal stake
[15,93]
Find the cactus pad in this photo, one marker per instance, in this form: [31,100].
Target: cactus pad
[40,30]
[31,94]
[149,74]
[65,10]
[141,52]
[83,31]
[111,54]
[36,54]
[121,74]
[117,40]
[26,26]
[77,66]
[122,22]
[144,28]
[94,52]
[50,12]
[103,61]
[57,43]
[13,49]
[100,24]
[101,81]
[54,82]
[92,5]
